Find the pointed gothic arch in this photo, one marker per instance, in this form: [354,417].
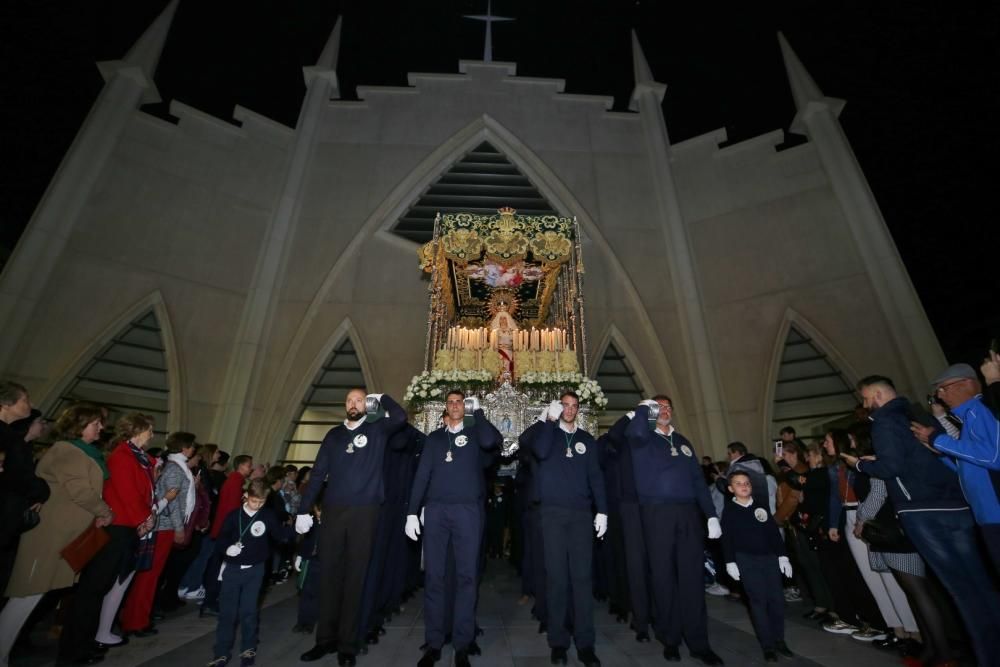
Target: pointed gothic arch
[624,383]
[380,222]
[340,366]
[131,366]
[810,386]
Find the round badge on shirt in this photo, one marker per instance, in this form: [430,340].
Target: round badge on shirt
[258,528]
[360,440]
[461,441]
[760,514]
[687,450]
[580,448]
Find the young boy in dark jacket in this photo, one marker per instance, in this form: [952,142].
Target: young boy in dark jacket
[755,554]
[245,545]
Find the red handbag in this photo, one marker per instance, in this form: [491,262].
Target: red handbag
[87,544]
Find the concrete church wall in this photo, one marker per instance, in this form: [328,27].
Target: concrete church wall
[183,211]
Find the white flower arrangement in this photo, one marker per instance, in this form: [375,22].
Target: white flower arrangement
[588,390]
[430,385]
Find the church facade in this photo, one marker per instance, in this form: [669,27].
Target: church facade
[235,279]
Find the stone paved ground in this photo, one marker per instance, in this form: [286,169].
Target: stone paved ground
[511,638]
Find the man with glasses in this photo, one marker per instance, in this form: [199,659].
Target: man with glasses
[926,495]
[974,453]
[673,505]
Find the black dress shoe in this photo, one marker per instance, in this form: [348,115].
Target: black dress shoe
[462,659]
[707,657]
[431,655]
[642,637]
[347,659]
[782,648]
[770,655]
[317,652]
[100,648]
[622,618]
[104,647]
[587,657]
[543,627]
[474,649]
[147,631]
[91,658]
[372,637]
[671,653]
[559,656]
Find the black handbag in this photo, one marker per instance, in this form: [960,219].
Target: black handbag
[884,533]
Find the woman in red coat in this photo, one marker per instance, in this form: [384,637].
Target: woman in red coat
[129,493]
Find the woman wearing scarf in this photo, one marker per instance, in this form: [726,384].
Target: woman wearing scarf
[75,471]
[129,493]
[135,615]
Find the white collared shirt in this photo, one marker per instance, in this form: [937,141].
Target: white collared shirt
[668,433]
[737,501]
[565,427]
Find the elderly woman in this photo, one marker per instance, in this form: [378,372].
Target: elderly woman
[138,607]
[75,471]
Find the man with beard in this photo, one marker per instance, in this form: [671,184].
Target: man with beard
[569,484]
[673,502]
[350,461]
[450,486]
[936,518]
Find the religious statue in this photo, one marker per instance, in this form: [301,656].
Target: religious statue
[504,327]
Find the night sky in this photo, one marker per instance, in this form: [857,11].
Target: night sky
[920,80]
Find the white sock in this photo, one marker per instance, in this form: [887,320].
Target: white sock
[12,619]
[109,609]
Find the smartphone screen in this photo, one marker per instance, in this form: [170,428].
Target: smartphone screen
[778,448]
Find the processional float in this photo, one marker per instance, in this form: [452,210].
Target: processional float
[505,320]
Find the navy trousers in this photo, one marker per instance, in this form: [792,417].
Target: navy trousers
[675,538]
[309,595]
[458,528]
[636,565]
[346,537]
[238,603]
[761,580]
[569,536]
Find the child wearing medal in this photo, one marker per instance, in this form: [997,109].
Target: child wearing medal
[245,541]
[755,554]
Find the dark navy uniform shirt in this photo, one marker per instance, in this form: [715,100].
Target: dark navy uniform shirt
[661,477]
[353,477]
[254,532]
[749,530]
[461,479]
[566,481]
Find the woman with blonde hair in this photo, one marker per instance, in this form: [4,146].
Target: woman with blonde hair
[75,471]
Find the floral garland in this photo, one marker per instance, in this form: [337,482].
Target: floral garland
[432,385]
[588,390]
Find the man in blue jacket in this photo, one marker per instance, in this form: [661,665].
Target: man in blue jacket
[934,514]
[570,483]
[673,503]
[450,486]
[975,453]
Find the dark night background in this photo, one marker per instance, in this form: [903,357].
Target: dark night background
[920,80]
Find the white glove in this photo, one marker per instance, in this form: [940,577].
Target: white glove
[601,524]
[412,529]
[378,396]
[421,516]
[785,566]
[733,571]
[543,416]
[303,523]
[714,529]
[555,410]
[297,564]
[475,403]
[630,414]
[233,550]
[649,403]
